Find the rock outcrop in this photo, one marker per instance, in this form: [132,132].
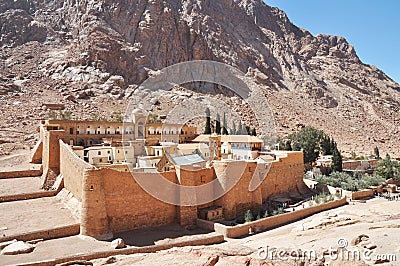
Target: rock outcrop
[97,52]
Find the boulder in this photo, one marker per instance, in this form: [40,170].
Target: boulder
[118,243]
[357,240]
[4,244]
[69,97]
[18,247]
[370,246]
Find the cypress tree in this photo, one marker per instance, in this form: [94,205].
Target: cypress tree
[218,125]
[240,128]
[233,129]
[207,130]
[376,153]
[336,161]
[248,131]
[224,126]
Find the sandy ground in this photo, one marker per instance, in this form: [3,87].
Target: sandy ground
[378,219]
[16,186]
[74,245]
[54,248]
[17,160]
[18,217]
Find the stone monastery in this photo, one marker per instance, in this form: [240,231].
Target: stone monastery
[98,165]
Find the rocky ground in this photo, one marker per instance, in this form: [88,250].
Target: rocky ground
[372,228]
[361,233]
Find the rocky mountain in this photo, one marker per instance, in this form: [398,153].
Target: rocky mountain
[90,56]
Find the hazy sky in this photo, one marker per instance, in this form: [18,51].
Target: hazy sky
[372,26]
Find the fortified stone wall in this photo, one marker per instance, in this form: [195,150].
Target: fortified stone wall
[239,199]
[114,202]
[187,215]
[284,176]
[51,150]
[72,168]
[37,153]
[270,222]
[363,194]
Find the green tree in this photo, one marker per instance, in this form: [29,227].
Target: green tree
[52,115]
[307,139]
[224,126]
[376,153]
[240,128]
[153,119]
[388,169]
[66,115]
[336,161]
[247,130]
[326,146]
[207,130]
[233,129]
[218,125]
[117,117]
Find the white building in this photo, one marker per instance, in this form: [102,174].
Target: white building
[190,148]
[236,147]
[99,155]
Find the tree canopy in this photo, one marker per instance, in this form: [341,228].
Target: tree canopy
[312,142]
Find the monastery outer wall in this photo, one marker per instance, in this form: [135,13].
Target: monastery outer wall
[72,168]
[189,176]
[238,199]
[285,175]
[363,194]
[51,150]
[269,222]
[114,202]
[37,152]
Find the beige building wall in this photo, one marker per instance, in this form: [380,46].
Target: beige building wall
[112,200]
[124,203]
[72,168]
[285,175]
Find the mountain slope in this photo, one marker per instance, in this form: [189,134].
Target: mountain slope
[98,51]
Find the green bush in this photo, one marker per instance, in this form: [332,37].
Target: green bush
[348,182]
[248,216]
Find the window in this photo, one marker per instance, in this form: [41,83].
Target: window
[71,131]
[99,153]
[108,152]
[100,160]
